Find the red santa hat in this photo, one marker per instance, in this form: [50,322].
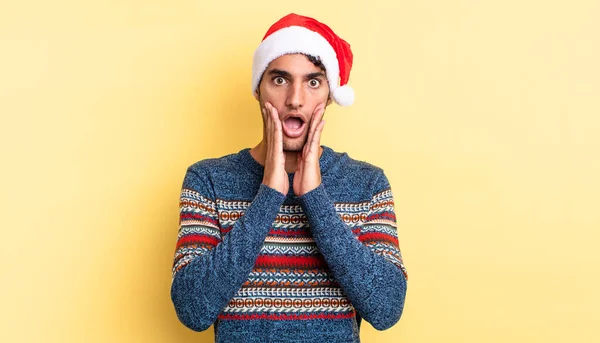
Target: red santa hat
[295,34]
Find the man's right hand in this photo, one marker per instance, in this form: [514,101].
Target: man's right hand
[275,175]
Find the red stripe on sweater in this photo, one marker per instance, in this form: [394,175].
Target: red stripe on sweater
[285,316]
[382,215]
[296,262]
[377,236]
[198,216]
[197,239]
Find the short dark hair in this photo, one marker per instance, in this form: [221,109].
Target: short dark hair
[316,61]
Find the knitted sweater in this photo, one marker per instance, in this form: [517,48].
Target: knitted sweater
[264,267]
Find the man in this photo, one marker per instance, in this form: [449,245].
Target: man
[289,241]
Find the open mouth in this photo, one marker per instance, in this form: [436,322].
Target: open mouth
[293,126]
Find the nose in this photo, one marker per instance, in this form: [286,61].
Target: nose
[295,96]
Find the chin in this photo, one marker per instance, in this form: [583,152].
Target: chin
[294,146]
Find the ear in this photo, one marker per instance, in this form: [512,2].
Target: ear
[256,95]
[328,101]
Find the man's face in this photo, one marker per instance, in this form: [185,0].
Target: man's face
[294,86]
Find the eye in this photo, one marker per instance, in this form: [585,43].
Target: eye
[279,80]
[314,83]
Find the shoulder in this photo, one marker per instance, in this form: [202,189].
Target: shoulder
[216,164]
[353,174]
[201,174]
[344,164]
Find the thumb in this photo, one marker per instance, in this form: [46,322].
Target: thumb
[299,162]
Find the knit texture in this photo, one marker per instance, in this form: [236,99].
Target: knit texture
[264,267]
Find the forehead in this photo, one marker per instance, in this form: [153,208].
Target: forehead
[295,64]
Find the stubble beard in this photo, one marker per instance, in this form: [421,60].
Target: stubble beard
[294,146]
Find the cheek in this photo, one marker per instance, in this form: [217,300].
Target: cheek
[322,92]
[320,96]
[275,97]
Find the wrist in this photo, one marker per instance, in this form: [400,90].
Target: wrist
[306,190]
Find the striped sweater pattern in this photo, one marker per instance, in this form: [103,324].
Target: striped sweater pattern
[293,267]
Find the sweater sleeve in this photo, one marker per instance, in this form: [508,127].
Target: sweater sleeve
[207,269]
[369,268]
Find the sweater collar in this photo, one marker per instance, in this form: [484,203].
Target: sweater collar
[249,162]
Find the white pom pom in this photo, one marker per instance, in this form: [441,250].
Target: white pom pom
[344,95]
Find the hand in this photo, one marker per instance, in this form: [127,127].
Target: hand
[275,175]
[308,172]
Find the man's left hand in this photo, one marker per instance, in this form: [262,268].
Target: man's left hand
[308,172]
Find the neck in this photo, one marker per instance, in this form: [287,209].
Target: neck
[259,153]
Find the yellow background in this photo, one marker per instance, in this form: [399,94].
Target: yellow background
[484,114]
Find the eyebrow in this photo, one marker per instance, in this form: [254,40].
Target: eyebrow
[315,75]
[286,74]
[280,72]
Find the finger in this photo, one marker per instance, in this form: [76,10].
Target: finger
[263,112]
[277,130]
[270,109]
[269,113]
[317,136]
[274,115]
[268,128]
[299,164]
[315,120]
[273,110]
[319,111]
[306,150]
